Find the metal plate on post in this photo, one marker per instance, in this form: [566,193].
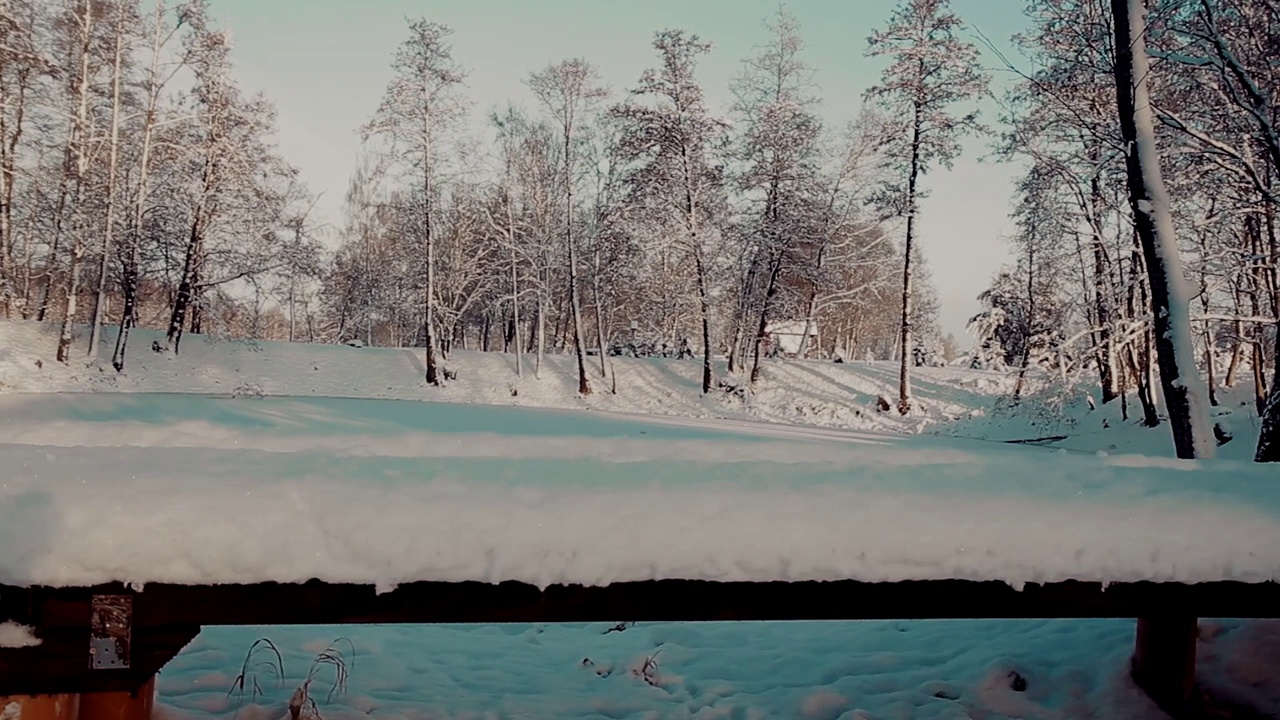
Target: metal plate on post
[110,631]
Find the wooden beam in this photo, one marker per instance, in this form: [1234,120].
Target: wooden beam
[316,603]
[40,707]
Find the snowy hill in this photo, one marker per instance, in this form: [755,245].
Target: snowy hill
[952,401]
[811,393]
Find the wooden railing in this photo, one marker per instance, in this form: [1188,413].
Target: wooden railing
[144,630]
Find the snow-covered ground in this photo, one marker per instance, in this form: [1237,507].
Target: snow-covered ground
[236,462]
[208,489]
[810,393]
[848,670]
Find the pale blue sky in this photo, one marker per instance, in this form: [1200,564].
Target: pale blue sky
[325,63]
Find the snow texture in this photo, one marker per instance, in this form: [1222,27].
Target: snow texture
[13,635]
[811,393]
[940,670]
[155,487]
[206,489]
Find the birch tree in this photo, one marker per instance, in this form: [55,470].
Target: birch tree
[122,44]
[22,65]
[1233,47]
[931,70]
[232,189]
[160,70]
[79,152]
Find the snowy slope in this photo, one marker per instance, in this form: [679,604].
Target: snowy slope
[953,401]
[811,393]
[193,488]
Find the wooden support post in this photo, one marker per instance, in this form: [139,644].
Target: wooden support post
[119,705]
[40,707]
[1164,663]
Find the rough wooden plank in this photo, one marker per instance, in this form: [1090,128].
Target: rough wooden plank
[318,603]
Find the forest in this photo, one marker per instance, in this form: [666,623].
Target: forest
[141,186]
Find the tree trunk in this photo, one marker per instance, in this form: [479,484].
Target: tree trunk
[117,70]
[1025,363]
[599,298]
[762,328]
[515,302]
[541,335]
[10,137]
[738,347]
[80,137]
[186,286]
[904,366]
[515,294]
[1139,365]
[575,310]
[428,322]
[1183,388]
[129,310]
[704,304]
[1101,291]
[59,225]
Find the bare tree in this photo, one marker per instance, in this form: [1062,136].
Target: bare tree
[669,137]
[931,70]
[778,149]
[422,102]
[159,72]
[21,65]
[122,44]
[79,154]
[569,90]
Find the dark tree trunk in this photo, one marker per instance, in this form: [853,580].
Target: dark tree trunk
[186,288]
[904,367]
[129,311]
[1102,294]
[1145,199]
[771,291]
[704,304]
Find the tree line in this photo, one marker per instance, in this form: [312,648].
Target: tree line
[626,221]
[138,183]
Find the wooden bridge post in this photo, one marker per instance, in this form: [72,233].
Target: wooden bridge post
[1164,662]
[40,707]
[136,705]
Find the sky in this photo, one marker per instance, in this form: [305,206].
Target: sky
[325,63]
